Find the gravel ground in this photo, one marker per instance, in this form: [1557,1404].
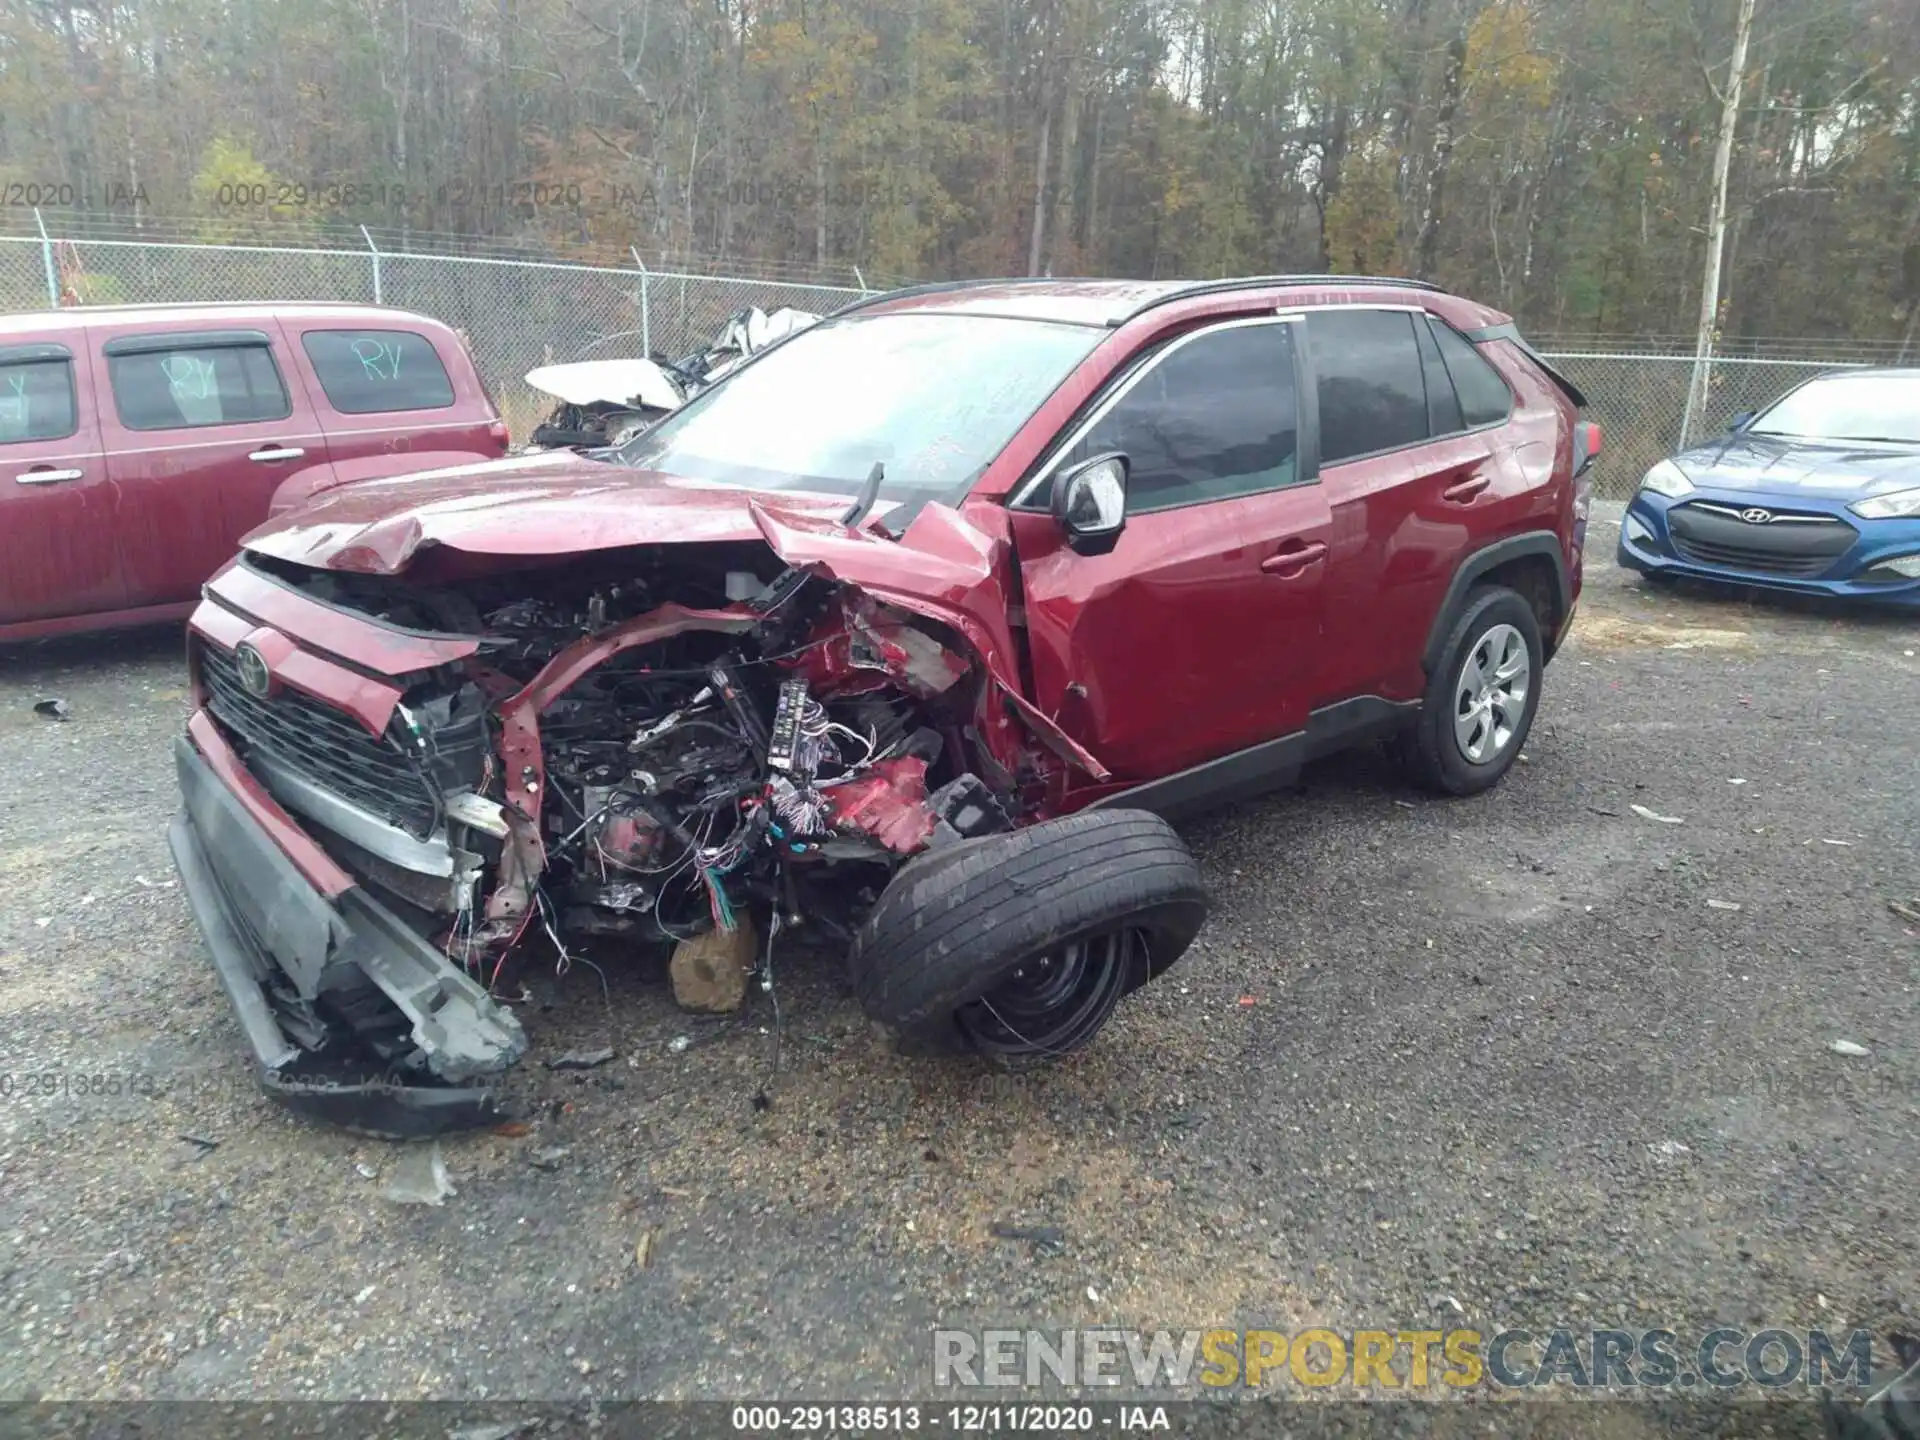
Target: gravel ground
[1516,1054]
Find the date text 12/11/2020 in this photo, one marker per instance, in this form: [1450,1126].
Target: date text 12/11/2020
[958,1419]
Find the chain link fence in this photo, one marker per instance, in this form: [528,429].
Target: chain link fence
[1641,403]
[521,313]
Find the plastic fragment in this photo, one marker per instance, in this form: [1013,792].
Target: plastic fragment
[420,1177]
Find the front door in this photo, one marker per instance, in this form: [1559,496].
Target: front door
[201,428]
[1199,633]
[57,514]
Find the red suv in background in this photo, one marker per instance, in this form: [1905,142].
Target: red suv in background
[139,443]
[907,635]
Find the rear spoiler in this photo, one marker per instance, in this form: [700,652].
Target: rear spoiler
[1511,331]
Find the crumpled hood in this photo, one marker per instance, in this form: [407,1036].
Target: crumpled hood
[555,503]
[1828,470]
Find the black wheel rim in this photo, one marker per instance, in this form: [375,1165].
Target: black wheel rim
[1054,1002]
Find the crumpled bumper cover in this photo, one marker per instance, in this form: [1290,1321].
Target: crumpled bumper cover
[259,914]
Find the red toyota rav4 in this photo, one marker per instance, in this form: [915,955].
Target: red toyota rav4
[138,443]
[908,635]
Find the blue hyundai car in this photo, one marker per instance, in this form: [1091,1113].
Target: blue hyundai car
[1819,493]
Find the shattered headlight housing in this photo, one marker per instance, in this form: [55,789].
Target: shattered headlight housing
[1900,505]
[1668,479]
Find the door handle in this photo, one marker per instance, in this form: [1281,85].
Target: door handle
[1466,489]
[47,475]
[270,453]
[1293,560]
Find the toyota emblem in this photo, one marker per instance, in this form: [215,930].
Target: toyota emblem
[1757,516]
[255,677]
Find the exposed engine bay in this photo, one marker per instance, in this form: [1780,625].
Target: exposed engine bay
[668,745]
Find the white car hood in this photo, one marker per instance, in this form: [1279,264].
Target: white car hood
[608,382]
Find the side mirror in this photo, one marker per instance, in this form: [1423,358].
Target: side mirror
[1740,421]
[1090,503]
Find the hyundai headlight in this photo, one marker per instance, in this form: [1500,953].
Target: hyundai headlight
[1667,479]
[1900,505]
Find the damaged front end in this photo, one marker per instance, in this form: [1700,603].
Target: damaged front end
[640,746]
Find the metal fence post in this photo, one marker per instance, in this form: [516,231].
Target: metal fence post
[46,259]
[373,250]
[646,323]
[863,282]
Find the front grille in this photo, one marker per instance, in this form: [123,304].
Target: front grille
[1736,557]
[1800,546]
[325,746]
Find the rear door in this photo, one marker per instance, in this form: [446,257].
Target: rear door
[1197,635]
[393,388]
[57,517]
[1408,481]
[201,426]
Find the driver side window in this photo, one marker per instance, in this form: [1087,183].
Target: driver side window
[1213,417]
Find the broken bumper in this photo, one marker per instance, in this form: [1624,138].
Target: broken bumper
[267,925]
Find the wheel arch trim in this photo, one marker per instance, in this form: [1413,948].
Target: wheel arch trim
[1478,565]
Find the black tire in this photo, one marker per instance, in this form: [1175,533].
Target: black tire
[1086,908]
[1433,751]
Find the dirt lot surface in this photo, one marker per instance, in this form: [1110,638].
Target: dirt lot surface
[1526,1059]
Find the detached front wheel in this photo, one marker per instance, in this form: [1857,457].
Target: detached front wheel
[1021,945]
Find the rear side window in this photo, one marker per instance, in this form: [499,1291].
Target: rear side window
[1443,405]
[196,385]
[369,372]
[1372,393]
[1212,417]
[1484,397]
[36,401]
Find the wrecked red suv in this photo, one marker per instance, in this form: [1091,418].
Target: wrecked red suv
[908,637]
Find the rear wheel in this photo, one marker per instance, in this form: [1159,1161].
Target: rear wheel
[1481,698]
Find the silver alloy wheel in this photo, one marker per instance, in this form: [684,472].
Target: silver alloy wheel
[1490,697]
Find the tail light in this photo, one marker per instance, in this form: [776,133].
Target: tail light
[1586,446]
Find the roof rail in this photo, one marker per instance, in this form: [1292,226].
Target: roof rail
[932,287]
[1175,292]
[1260,282]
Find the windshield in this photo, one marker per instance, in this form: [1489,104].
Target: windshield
[932,397]
[1848,407]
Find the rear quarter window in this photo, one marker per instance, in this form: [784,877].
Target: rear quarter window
[1484,397]
[156,388]
[372,372]
[37,401]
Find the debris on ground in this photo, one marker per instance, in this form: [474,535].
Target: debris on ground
[1908,910]
[1645,814]
[1850,1049]
[52,708]
[366,1171]
[1723,904]
[643,1251]
[1668,1150]
[420,1178]
[680,1044]
[549,1158]
[207,1145]
[709,970]
[1045,1239]
[581,1059]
